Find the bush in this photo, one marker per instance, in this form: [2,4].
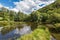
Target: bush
[38,34]
[57,25]
[4,23]
[7,29]
[1,18]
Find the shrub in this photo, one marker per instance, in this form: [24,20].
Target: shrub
[57,25]
[38,34]
[7,29]
[4,23]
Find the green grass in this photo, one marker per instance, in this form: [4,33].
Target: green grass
[37,34]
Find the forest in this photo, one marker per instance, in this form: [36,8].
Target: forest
[44,22]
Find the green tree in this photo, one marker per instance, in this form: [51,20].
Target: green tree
[11,15]
[35,16]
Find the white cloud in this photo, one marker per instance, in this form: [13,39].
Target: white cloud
[14,9]
[27,6]
[6,7]
[1,6]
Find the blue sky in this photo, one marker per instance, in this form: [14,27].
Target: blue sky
[8,3]
[25,6]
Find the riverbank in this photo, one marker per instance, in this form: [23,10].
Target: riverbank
[11,25]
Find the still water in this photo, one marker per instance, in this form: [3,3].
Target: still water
[17,32]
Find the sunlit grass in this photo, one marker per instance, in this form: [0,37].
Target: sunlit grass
[37,34]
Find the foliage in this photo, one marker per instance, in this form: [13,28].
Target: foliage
[7,29]
[11,15]
[37,34]
[47,15]
[4,23]
[35,16]
[57,25]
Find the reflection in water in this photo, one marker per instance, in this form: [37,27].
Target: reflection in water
[1,28]
[13,35]
[16,33]
[24,30]
[10,35]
